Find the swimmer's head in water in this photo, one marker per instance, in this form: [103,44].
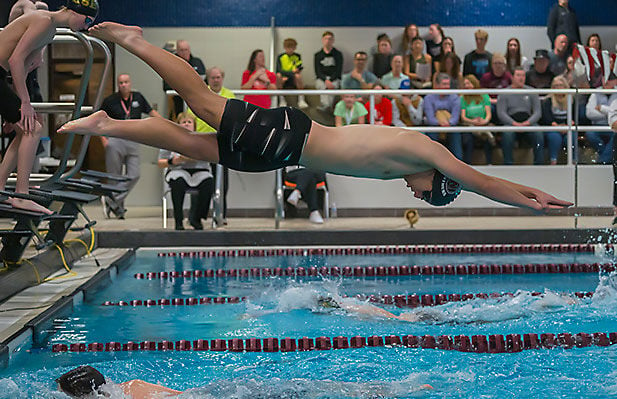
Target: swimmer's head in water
[80,381]
[328,302]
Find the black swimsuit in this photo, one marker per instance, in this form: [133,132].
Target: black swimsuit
[10,103]
[254,139]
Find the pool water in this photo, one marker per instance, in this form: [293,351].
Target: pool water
[285,307]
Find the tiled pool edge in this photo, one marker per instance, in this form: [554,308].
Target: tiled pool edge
[34,330]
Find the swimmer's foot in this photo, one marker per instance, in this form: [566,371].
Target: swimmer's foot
[27,205]
[121,34]
[93,124]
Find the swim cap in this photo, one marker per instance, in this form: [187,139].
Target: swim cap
[445,190]
[328,302]
[80,381]
[84,7]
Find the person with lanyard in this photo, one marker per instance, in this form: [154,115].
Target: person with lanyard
[122,154]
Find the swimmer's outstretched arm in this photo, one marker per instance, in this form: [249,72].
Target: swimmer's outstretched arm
[499,190]
[138,389]
[368,310]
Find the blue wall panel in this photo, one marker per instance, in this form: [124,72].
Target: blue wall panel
[217,13]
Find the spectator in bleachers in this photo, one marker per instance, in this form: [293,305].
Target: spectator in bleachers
[520,110]
[569,72]
[183,50]
[594,41]
[393,79]
[184,173]
[359,77]
[451,66]
[383,108]
[407,110]
[305,181]
[349,111]
[478,61]
[539,76]
[328,69]
[418,65]
[433,40]
[476,111]
[216,77]
[562,20]
[559,55]
[257,77]
[514,57]
[447,46]
[383,57]
[409,33]
[289,71]
[554,113]
[445,110]
[498,77]
[597,112]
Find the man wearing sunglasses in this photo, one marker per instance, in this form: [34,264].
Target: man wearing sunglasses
[21,45]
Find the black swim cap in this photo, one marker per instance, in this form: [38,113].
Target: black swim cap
[84,7]
[80,381]
[445,190]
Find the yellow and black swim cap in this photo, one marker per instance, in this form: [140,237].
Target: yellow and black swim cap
[84,7]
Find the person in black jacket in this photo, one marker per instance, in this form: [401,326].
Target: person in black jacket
[562,19]
[328,69]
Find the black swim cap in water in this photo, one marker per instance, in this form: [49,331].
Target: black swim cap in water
[81,381]
[445,190]
[84,7]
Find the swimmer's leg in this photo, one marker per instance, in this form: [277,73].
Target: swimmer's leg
[174,70]
[155,131]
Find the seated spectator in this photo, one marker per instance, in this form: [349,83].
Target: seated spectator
[417,66]
[257,77]
[289,71]
[451,66]
[514,57]
[559,55]
[555,113]
[306,181]
[359,77]
[383,57]
[594,41]
[393,79]
[597,112]
[478,61]
[597,80]
[383,109]
[407,110]
[409,33]
[447,46]
[349,111]
[433,40]
[445,110]
[539,76]
[476,111]
[520,110]
[498,77]
[328,69]
[569,72]
[184,173]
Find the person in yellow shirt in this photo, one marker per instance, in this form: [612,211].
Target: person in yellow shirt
[216,76]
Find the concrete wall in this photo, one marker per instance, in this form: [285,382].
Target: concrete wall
[230,48]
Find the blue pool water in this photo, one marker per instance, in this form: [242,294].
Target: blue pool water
[284,307]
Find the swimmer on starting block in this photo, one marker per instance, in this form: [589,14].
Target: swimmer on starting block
[254,139]
[21,48]
[83,381]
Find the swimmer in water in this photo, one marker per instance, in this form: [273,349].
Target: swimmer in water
[84,381]
[254,139]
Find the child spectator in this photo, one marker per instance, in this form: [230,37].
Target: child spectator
[383,57]
[349,111]
[383,108]
[289,71]
[257,77]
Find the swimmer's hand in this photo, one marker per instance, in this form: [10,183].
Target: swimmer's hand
[546,201]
